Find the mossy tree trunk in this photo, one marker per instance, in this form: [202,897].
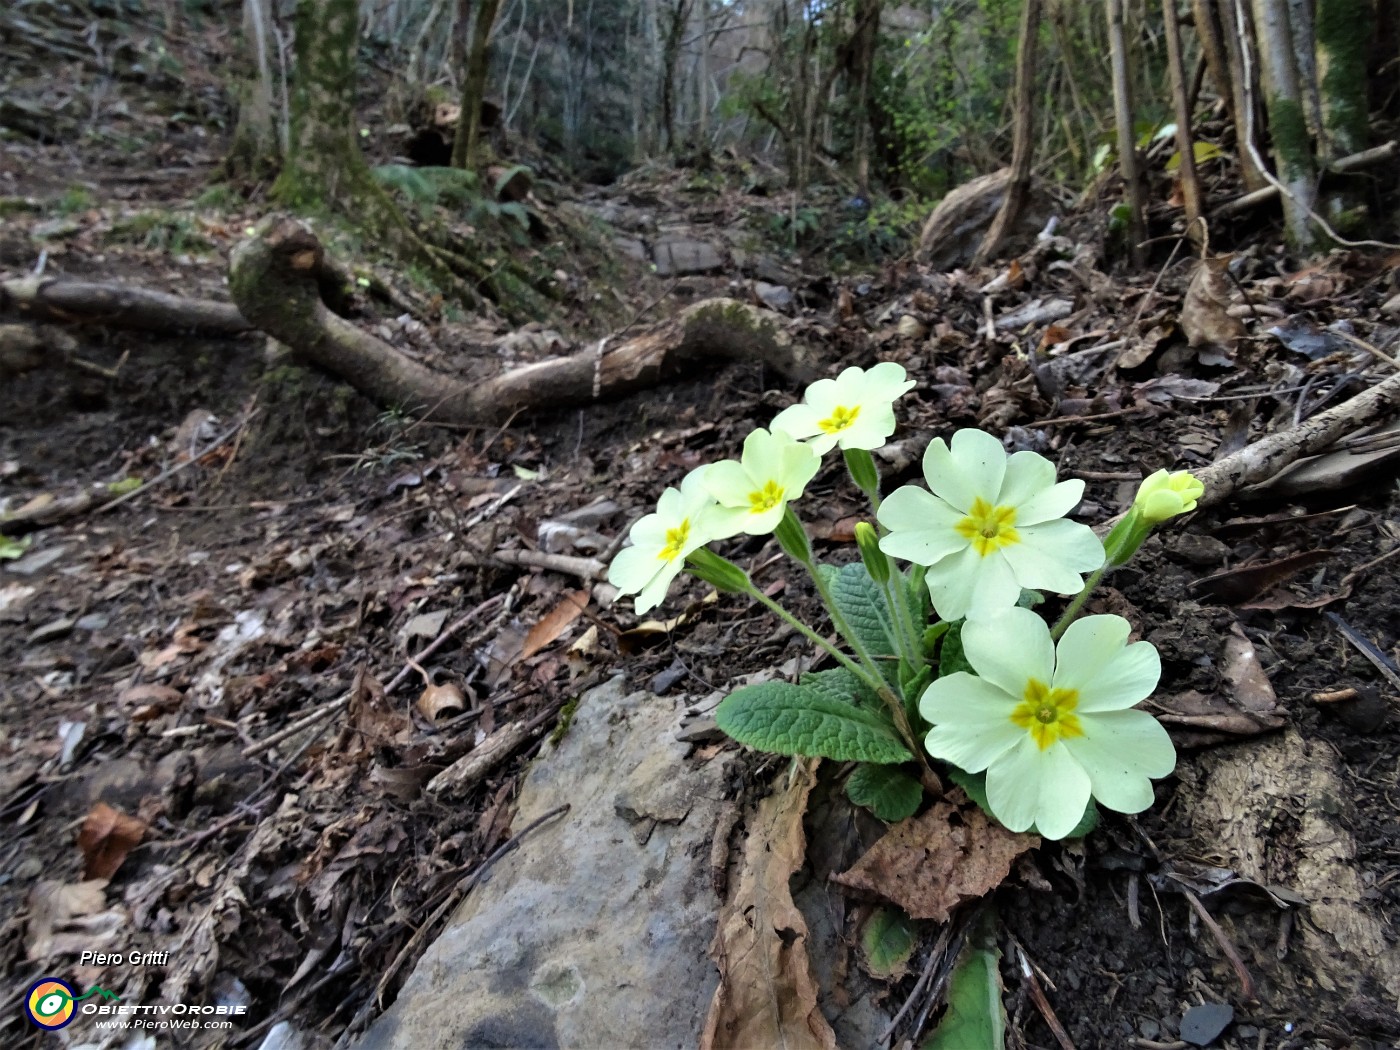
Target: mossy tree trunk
[1287,123]
[324,169]
[465,144]
[256,149]
[1344,31]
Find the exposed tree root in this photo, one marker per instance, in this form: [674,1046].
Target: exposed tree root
[1267,456]
[58,299]
[273,282]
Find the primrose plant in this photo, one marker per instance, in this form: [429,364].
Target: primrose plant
[946,667]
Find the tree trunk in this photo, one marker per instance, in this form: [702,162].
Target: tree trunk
[1185,145]
[1287,124]
[866,40]
[1127,138]
[1023,145]
[465,149]
[256,148]
[1242,85]
[670,56]
[1344,31]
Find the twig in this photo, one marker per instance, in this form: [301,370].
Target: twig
[461,890]
[1041,1003]
[1373,351]
[1377,658]
[170,472]
[940,949]
[338,704]
[1231,953]
[288,1008]
[588,569]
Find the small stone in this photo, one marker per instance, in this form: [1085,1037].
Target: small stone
[35,561]
[1202,1025]
[1148,1028]
[50,631]
[677,258]
[774,296]
[93,622]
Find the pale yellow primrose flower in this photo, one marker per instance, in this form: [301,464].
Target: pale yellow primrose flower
[854,410]
[754,491]
[1051,726]
[660,541]
[1162,495]
[992,526]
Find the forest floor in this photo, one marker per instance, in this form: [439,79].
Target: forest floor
[148,654]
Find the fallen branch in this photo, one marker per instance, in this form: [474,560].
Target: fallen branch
[1365,158]
[1267,456]
[272,281]
[57,299]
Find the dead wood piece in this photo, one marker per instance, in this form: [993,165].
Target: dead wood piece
[43,513]
[271,279]
[1356,161]
[1267,456]
[460,777]
[123,306]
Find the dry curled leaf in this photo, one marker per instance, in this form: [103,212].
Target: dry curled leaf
[767,996]
[929,865]
[107,836]
[1205,314]
[438,702]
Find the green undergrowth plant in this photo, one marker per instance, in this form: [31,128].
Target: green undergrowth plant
[945,670]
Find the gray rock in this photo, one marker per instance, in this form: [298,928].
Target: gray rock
[1202,1025]
[774,296]
[631,247]
[676,257]
[595,930]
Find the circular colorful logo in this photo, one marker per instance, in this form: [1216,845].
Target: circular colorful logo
[49,1003]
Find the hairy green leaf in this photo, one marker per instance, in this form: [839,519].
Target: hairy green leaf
[888,793]
[950,656]
[888,939]
[795,720]
[975,1017]
[840,684]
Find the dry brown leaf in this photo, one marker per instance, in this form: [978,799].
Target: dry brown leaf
[1248,582]
[929,865]
[1204,312]
[767,996]
[64,914]
[107,836]
[1246,706]
[441,701]
[555,622]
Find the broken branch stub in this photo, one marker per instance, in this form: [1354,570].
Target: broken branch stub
[272,280]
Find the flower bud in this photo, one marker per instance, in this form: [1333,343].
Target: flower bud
[723,575]
[877,562]
[864,473]
[1163,495]
[792,538]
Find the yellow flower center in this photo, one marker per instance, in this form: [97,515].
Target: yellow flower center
[1048,714]
[675,541]
[840,419]
[765,498]
[989,528]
